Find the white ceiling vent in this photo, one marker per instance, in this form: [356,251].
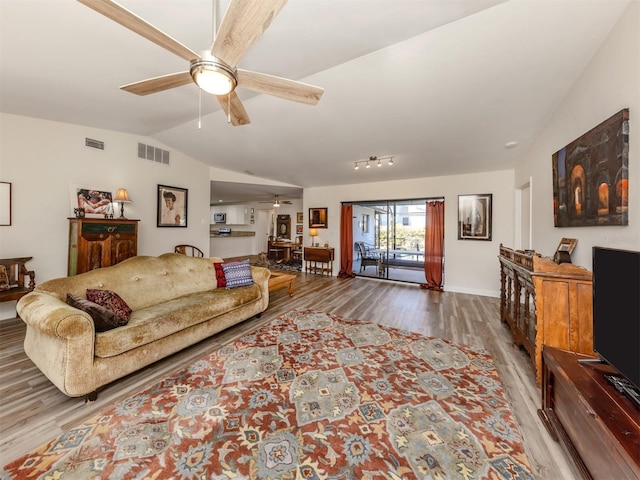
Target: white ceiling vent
[155,154]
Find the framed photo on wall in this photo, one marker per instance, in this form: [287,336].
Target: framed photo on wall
[172,206]
[5,203]
[318,218]
[474,217]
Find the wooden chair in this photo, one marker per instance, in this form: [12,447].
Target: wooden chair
[189,250]
[273,251]
[13,284]
[296,251]
[366,257]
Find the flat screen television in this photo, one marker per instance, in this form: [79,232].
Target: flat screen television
[616,310]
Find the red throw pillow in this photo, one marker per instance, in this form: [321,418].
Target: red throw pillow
[111,301]
[220,277]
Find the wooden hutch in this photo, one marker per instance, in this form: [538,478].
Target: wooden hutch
[96,243]
[545,303]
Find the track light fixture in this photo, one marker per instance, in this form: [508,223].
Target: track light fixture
[372,159]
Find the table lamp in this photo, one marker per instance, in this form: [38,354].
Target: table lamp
[313,233]
[123,197]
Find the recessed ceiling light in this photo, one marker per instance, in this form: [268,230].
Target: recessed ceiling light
[510,144]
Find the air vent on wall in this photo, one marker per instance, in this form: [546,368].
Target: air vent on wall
[90,142]
[152,153]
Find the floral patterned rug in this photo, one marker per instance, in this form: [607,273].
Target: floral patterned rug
[308,396]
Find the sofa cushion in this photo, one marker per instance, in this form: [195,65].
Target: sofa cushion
[103,318]
[237,274]
[109,300]
[221,279]
[161,320]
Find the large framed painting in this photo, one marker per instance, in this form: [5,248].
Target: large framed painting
[474,217]
[591,176]
[172,206]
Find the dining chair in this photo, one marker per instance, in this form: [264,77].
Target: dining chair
[366,257]
[188,250]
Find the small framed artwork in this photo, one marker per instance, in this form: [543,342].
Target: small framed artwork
[299,217]
[172,206]
[298,229]
[5,203]
[318,218]
[474,217]
[91,202]
[567,245]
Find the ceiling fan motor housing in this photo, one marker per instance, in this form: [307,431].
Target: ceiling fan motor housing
[213,75]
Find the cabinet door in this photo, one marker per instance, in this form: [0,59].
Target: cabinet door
[122,247]
[94,252]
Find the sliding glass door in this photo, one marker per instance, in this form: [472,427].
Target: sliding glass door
[393,233]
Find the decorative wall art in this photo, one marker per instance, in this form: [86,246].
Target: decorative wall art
[299,217]
[172,206]
[5,203]
[95,203]
[591,176]
[318,218]
[474,217]
[283,226]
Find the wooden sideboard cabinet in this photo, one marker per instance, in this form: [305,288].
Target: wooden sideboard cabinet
[598,426]
[545,303]
[96,243]
[319,260]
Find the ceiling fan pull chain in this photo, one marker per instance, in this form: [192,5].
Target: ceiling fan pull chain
[199,109]
[229,107]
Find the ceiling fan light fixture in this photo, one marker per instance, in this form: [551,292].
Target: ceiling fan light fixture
[391,161]
[213,76]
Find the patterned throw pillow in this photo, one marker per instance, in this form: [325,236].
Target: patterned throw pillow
[111,301]
[237,274]
[222,280]
[103,319]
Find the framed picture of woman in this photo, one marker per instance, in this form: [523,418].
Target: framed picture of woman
[172,206]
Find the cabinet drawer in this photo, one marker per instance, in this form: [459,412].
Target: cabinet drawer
[108,228]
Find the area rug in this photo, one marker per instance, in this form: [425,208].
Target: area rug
[309,395]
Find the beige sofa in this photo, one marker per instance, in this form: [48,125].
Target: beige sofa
[175,303]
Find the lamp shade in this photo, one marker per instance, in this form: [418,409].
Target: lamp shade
[122,196]
[313,232]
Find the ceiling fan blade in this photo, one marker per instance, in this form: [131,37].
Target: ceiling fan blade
[243,23]
[130,20]
[158,84]
[280,87]
[238,115]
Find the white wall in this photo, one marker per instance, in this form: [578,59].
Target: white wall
[471,266]
[610,83]
[43,159]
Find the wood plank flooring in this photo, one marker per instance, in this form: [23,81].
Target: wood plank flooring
[34,411]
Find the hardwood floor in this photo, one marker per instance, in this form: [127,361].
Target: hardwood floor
[34,411]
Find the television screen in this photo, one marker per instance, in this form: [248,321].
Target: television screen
[616,310]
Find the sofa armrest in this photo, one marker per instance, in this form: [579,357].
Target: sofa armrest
[261,278]
[53,317]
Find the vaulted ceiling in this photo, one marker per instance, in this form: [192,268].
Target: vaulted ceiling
[440,85]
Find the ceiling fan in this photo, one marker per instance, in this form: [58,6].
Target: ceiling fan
[214,71]
[276,203]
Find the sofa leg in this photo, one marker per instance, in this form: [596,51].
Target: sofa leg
[91,397]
